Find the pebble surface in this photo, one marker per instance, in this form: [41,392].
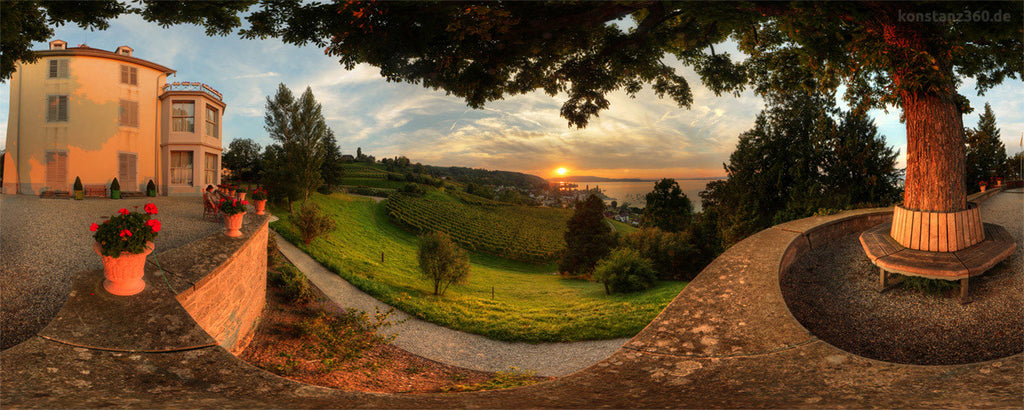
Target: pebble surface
[45,242]
[832,291]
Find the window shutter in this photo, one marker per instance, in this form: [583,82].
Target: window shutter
[57,170]
[62,108]
[53,69]
[62,68]
[134,76]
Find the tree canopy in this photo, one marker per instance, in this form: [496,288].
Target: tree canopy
[667,208]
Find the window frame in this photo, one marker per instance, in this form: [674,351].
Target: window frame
[129,73]
[54,67]
[210,175]
[56,117]
[189,180]
[175,117]
[133,113]
[212,124]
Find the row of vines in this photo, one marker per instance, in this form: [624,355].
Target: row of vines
[514,232]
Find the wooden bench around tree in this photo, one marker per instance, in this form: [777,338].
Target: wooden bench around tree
[890,256]
[97,191]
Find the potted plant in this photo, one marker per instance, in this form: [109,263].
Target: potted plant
[259,195]
[983,185]
[123,242]
[79,190]
[233,211]
[115,189]
[151,188]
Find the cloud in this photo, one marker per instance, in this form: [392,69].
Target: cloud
[257,75]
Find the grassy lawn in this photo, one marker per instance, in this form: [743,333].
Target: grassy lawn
[529,303]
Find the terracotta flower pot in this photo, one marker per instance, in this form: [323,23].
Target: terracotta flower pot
[261,206]
[241,196]
[124,273]
[233,224]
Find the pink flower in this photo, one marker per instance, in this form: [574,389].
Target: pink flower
[123,211]
[154,225]
[151,209]
[94,227]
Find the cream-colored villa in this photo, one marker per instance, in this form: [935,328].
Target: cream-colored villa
[96,114]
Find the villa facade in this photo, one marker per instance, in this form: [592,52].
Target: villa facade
[96,115]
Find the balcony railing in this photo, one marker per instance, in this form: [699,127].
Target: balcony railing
[191,86]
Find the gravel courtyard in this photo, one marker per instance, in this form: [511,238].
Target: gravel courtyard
[44,242]
[832,291]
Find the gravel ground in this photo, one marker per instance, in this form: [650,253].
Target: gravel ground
[832,291]
[45,242]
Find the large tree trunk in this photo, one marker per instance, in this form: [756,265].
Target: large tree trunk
[935,153]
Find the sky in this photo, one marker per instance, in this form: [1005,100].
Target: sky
[642,137]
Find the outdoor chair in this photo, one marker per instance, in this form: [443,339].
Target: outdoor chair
[210,211]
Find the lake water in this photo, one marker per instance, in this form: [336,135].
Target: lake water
[634,192]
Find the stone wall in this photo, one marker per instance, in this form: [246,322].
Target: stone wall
[228,301]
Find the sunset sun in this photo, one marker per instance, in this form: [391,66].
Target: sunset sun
[561,171]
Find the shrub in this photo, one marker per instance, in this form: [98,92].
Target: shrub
[624,271]
[78,184]
[115,186]
[413,189]
[293,283]
[675,255]
[312,222]
[342,336]
[441,261]
[151,188]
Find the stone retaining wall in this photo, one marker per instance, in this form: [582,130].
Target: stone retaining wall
[228,301]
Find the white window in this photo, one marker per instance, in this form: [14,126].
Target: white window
[129,114]
[211,121]
[183,116]
[181,167]
[56,108]
[57,170]
[211,169]
[129,75]
[126,171]
[58,68]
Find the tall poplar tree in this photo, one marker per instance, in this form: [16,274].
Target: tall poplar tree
[301,130]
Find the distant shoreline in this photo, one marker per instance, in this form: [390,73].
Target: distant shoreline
[601,179]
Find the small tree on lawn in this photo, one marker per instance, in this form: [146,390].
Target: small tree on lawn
[587,240]
[312,222]
[441,261]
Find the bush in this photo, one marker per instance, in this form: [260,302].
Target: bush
[312,222]
[624,271]
[413,189]
[337,337]
[115,186]
[292,282]
[78,184]
[151,188]
[675,255]
[441,261]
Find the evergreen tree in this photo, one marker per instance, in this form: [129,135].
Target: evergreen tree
[986,155]
[331,169]
[300,128]
[668,208]
[587,240]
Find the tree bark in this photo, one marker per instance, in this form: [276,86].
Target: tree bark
[935,154]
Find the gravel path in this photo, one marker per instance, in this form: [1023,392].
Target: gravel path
[45,242]
[453,347]
[832,292]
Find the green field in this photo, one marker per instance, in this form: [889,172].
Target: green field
[531,234]
[529,303]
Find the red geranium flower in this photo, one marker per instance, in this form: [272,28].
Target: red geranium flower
[244,202]
[153,224]
[125,232]
[151,209]
[94,227]
[123,211]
